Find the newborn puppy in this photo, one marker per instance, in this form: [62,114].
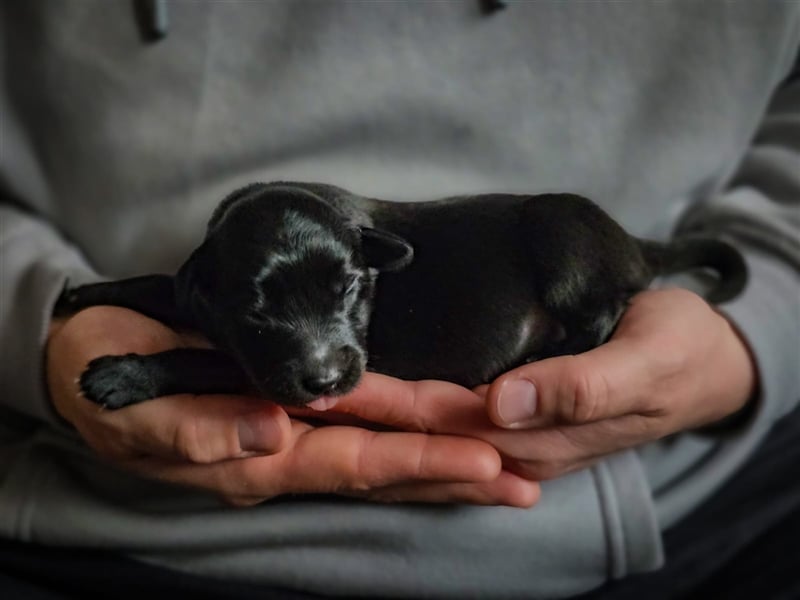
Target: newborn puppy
[286,288]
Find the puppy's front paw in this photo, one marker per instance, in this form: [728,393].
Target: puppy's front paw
[117,381]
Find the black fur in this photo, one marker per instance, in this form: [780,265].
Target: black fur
[285,286]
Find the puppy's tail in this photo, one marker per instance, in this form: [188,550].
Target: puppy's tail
[691,253]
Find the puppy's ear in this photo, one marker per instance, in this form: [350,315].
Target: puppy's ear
[385,251]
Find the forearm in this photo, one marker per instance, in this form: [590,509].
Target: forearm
[768,316]
[760,212]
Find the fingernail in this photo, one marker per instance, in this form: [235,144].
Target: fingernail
[517,402]
[258,433]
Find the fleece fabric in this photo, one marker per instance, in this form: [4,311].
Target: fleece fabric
[115,149]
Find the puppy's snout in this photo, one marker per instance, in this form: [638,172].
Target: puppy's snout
[321,384]
[324,375]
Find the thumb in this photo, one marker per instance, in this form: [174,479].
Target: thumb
[204,428]
[611,380]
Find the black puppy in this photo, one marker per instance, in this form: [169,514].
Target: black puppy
[286,288]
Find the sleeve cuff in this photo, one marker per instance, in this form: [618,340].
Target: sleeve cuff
[35,266]
[767,315]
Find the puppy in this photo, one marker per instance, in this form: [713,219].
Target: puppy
[302,287]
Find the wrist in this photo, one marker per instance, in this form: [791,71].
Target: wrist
[52,380]
[739,368]
[741,362]
[56,323]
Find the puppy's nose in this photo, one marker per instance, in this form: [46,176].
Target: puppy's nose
[322,383]
[325,371]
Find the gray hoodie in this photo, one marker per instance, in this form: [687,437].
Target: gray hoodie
[115,150]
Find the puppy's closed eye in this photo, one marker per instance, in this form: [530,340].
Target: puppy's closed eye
[344,286]
[352,283]
[256,318]
[257,306]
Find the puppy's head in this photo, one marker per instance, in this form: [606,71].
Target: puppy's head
[285,283]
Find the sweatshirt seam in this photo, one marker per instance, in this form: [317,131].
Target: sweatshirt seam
[611,523]
[27,503]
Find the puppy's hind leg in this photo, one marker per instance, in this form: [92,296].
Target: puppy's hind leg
[585,329]
[151,295]
[119,381]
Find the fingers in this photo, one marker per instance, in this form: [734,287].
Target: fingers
[565,413]
[546,453]
[430,406]
[197,429]
[341,460]
[611,380]
[481,390]
[203,429]
[507,490]
[353,459]
[536,470]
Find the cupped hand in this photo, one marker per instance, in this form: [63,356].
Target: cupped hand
[673,363]
[247,449]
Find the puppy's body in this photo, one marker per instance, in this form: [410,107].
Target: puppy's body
[286,286]
[498,280]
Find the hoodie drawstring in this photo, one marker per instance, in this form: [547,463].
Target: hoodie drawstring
[153,16]
[153,19]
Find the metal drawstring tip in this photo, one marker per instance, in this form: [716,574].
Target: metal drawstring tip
[492,6]
[153,19]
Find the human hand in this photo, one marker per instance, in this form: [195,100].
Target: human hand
[247,449]
[673,363]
